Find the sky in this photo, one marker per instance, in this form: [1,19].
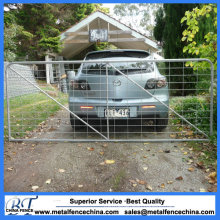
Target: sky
[125,20]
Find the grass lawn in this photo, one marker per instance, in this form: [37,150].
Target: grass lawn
[28,111]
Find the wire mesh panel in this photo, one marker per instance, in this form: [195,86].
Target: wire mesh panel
[109,100]
[21,86]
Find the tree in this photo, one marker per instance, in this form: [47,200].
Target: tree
[200,38]
[159,27]
[172,32]
[69,14]
[33,29]
[137,16]
[38,20]
[169,31]
[204,46]
[12,33]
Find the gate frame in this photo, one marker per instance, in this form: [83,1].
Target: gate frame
[109,63]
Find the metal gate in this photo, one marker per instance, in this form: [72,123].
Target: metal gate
[132,100]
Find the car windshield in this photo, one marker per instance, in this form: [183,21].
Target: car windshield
[125,67]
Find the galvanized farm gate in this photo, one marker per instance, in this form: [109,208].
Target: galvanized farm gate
[44,112]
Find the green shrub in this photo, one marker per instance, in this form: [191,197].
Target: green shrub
[196,109]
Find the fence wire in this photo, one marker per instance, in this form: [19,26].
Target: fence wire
[109,100]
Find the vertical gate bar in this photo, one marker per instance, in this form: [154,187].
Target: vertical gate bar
[197,106]
[211,97]
[182,103]
[8,104]
[106,68]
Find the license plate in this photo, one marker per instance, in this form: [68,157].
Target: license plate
[117,113]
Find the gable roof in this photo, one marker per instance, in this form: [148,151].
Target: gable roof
[127,39]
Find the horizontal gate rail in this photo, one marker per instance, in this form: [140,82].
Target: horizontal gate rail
[110,140]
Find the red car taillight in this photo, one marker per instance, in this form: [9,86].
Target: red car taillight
[79,85]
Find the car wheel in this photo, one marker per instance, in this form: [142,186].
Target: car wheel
[162,123]
[75,122]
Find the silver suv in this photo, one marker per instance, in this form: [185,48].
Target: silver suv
[93,95]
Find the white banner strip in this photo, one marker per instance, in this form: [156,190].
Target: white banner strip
[110,205]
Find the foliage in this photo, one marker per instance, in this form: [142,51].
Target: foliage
[45,34]
[137,16]
[69,14]
[168,31]
[99,7]
[196,110]
[172,32]
[33,29]
[208,47]
[10,46]
[160,23]
[104,46]
[200,39]
[12,33]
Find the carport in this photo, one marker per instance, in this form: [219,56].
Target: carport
[78,37]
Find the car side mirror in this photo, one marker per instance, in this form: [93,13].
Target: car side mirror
[71,75]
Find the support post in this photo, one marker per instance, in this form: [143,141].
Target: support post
[47,69]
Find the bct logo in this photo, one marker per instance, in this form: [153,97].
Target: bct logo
[17,203]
